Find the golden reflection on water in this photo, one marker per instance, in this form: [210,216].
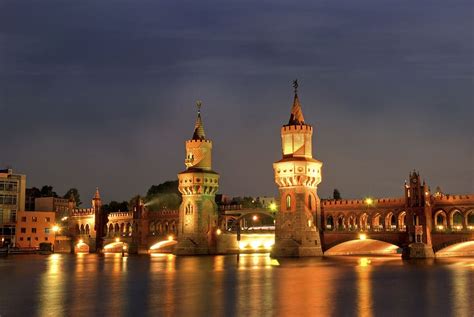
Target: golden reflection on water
[461,292]
[52,286]
[364,288]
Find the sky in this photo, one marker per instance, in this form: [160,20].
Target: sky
[102,93]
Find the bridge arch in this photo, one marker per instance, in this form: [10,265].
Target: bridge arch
[377,223]
[362,247]
[340,222]
[364,222]
[390,221]
[352,222]
[460,247]
[236,220]
[116,247]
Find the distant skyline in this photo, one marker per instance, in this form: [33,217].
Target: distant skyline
[102,93]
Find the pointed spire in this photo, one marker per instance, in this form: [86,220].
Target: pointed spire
[199,127]
[296,117]
[97,194]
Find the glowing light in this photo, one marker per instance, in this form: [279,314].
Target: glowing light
[161,244]
[255,218]
[255,244]
[218,231]
[55,228]
[364,261]
[117,239]
[242,245]
[81,241]
[170,237]
[268,244]
[440,227]
[64,218]
[369,201]
[362,236]
[273,207]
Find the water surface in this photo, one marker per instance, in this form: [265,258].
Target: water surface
[255,285]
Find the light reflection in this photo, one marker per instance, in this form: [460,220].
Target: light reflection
[52,286]
[364,288]
[461,292]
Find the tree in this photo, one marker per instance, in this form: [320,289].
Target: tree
[115,206]
[247,202]
[47,191]
[75,194]
[336,194]
[163,196]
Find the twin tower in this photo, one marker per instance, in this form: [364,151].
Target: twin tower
[297,174]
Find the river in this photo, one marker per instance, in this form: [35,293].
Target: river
[253,285]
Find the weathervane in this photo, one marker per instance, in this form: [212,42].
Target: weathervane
[199,105]
[295,85]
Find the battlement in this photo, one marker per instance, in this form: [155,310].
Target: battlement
[199,141]
[363,202]
[454,198]
[297,128]
[121,214]
[82,212]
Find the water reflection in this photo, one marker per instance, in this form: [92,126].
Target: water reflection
[364,288]
[251,285]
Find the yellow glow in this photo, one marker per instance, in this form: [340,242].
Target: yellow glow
[218,231]
[242,245]
[364,262]
[161,244]
[117,239]
[362,236]
[170,237]
[81,241]
[268,244]
[273,207]
[55,228]
[63,218]
[369,201]
[255,244]
[255,218]
[440,227]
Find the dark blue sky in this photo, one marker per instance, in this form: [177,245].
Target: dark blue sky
[102,93]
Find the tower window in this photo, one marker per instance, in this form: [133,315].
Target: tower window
[288,202]
[310,203]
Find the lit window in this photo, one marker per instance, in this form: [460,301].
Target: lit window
[48,219]
[46,230]
[288,202]
[34,219]
[33,230]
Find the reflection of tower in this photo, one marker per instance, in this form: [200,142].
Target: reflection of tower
[198,185]
[418,218]
[297,175]
[99,222]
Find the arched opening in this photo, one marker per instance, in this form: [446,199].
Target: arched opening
[440,220]
[401,221]
[456,220]
[111,230]
[122,228]
[166,227]
[364,223]
[77,229]
[390,222]
[117,230]
[363,247]
[470,219]
[162,246]
[288,202]
[87,229]
[128,229]
[376,223]
[173,227]
[83,231]
[329,223]
[340,223]
[160,228]
[310,202]
[152,228]
[81,247]
[116,247]
[465,248]
[352,223]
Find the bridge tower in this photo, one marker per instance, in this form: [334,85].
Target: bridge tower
[419,222]
[297,174]
[99,221]
[198,185]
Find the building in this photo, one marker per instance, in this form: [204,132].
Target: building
[267,202]
[61,206]
[12,201]
[297,174]
[35,227]
[198,185]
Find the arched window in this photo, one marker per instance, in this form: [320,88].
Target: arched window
[288,202]
[87,229]
[456,220]
[329,223]
[310,202]
[401,221]
[470,220]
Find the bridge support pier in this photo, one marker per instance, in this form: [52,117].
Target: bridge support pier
[418,251]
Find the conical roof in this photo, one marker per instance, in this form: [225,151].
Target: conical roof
[296,116]
[199,127]
[97,194]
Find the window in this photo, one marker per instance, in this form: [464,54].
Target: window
[46,230]
[33,230]
[21,238]
[36,238]
[310,205]
[288,202]
[28,239]
[34,219]
[23,230]
[45,238]
[48,219]
[23,219]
